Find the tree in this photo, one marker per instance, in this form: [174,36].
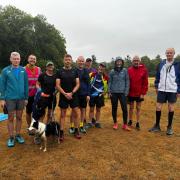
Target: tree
[29,35]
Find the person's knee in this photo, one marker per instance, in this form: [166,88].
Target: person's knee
[171,107]
[158,107]
[98,110]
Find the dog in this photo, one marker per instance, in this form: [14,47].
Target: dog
[43,131]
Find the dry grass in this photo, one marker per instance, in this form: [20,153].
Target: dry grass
[101,154]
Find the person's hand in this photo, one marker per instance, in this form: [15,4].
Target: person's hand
[178,95]
[3,103]
[87,98]
[68,96]
[25,102]
[109,95]
[44,95]
[142,96]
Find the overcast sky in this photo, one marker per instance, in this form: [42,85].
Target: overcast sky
[110,28]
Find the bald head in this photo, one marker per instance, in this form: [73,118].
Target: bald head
[80,62]
[136,61]
[170,52]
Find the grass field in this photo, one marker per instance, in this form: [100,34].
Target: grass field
[101,153]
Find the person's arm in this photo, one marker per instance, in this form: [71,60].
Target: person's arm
[178,82]
[26,85]
[109,83]
[3,88]
[126,83]
[157,78]
[77,86]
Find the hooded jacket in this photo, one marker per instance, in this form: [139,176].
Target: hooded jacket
[138,78]
[118,81]
[168,77]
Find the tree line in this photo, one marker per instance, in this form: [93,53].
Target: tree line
[26,34]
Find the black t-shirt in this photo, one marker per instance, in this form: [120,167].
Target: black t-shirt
[48,83]
[68,79]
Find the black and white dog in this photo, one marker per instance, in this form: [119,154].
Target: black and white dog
[43,131]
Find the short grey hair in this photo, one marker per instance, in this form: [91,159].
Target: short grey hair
[14,54]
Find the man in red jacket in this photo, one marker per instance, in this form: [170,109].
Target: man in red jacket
[138,77]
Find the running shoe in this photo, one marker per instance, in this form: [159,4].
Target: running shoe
[77,135]
[11,142]
[71,130]
[138,126]
[98,125]
[130,123]
[19,139]
[126,128]
[155,128]
[82,130]
[93,121]
[169,131]
[115,126]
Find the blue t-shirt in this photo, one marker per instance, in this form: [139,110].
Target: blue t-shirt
[15,71]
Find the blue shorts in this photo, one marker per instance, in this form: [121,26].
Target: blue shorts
[163,97]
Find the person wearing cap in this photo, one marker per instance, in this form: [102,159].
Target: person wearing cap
[118,88]
[99,86]
[167,85]
[88,66]
[138,77]
[46,86]
[33,73]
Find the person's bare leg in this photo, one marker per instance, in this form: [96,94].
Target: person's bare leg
[28,118]
[98,114]
[91,113]
[62,118]
[75,117]
[138,110]
[18,121]
[10,123]
[131,109]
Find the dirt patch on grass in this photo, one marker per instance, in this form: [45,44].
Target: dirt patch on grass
[101,153]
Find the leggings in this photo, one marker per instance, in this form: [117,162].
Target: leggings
[114,102]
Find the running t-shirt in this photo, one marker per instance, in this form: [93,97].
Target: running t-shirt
[48,83]
[15,71]
[97,86]
[68,79]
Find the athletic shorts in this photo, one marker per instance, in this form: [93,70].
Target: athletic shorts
[82,101]
[64,103]
[137,99]
[15,105]
[29,107]
[163,97]
[45,102]
[97,101]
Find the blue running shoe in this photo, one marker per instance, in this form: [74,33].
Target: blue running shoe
[19,139]
[11,142]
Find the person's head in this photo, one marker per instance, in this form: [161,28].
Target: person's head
[32,59]
[170,52]
[67,61]
[80,62]
[119,62]
[136,60]
[50,67]
[15,59]
[88,63]
[102,67]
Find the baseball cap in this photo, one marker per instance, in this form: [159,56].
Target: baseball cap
[49,63]
[102,64]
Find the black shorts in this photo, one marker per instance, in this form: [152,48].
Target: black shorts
[45,102]
[64,103]
[163,97]
[29,107]
[97,101]
[82,101]
[137,99]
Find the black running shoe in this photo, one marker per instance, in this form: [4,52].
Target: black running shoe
[138,126]
[98,125]
[130,123]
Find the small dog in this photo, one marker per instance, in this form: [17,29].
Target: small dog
[43,131]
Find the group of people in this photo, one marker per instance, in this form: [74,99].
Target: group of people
[81,86]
